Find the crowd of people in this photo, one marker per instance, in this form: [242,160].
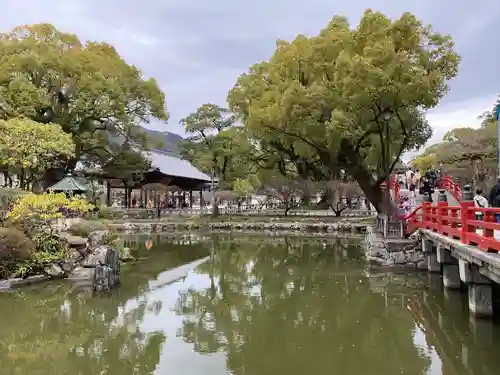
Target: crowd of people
[416,183]
[425,184]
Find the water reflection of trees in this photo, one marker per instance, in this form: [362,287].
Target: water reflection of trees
[57,329]
[293,308]
[58,332]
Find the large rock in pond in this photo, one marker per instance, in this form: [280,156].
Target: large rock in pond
[101,269]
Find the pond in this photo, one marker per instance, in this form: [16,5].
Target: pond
[260,306]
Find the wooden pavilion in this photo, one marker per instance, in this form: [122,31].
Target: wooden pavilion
[180,178]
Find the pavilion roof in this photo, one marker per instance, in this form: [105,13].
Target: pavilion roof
[172,165]
[70,183]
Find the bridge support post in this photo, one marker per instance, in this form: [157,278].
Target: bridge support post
[480,293]
[451,274]
[426,247]
[432,264]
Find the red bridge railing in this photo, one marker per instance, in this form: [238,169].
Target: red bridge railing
[447,183]
[458,222]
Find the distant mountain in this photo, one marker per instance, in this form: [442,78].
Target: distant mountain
[165,141]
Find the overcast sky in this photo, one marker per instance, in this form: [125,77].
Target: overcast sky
[196,48]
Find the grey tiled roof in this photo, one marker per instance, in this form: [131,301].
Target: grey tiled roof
[173,165]
[70,183]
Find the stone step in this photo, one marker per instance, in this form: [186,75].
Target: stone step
[76,242]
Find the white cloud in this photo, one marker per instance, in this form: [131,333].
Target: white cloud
[455,115]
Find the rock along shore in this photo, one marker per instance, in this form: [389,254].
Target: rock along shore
[81,250]
[390,252]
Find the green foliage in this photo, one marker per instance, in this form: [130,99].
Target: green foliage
[14,246]
[244,187]
[127,165]
[28,148]
[38,211]
[21,256]
[7,198]
[49,247]
[216,145]
[425,162]
[348,98]
[86,88]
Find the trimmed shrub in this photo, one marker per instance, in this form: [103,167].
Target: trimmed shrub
[14,245]
[36,211]
[15,250]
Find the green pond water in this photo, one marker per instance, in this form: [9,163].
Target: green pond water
[253,306]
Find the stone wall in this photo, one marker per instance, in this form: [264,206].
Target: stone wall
[118,213]
[311,227]
[393,251]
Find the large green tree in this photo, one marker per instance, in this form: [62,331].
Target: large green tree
[28,148]
[217,146]
[348,98]
[87,88]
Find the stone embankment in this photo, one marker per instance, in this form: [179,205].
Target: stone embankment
[235,226]
[117,213]
[85,254]
[388,252]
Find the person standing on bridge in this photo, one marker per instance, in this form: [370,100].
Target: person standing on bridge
[480,202]
[418,179]
[426,188]
[494,198]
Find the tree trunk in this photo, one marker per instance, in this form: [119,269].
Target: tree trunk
[215,205]
[22,181]
[215,210]
[372,190]
[287,207]
[326,198]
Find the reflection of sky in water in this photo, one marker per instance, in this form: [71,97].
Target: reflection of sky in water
[421,343]
[176,355]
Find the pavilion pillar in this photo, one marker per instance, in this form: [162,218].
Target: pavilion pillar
[183,199]
[190,198]
[141,198]
[201,201]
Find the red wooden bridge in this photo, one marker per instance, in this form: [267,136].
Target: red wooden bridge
[456,221]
